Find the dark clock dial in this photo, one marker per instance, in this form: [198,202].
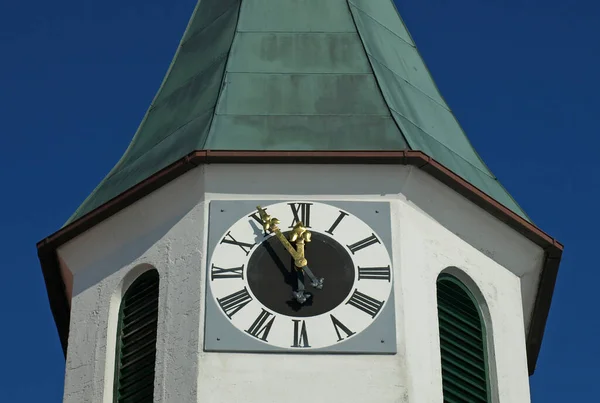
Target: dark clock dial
[272,276]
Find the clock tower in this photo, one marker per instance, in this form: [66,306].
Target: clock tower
[299,217]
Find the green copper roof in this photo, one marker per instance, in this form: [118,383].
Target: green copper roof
[296,75]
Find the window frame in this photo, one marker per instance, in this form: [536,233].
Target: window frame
[120,320]
[450,277]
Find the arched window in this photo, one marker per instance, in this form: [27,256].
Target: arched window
[462,342]
[136,341]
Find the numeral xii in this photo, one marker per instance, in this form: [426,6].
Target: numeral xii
[301,212]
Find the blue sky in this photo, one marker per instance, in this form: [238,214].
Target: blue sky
[76,77]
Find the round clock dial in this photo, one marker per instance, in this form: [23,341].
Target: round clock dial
[255,281]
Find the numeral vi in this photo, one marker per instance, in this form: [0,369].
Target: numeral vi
[300,334]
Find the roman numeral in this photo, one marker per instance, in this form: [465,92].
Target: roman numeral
[301,212]
[246,247]
[235,272]
[355,247]
[300,334]
[365,303]
[256,216]
[336,222]
[259,328]
[234,302]
[374,273]
[337,325]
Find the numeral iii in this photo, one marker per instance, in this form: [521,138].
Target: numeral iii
[374,273]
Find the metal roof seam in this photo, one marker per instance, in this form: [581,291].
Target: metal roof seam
[378,22]
[362,42]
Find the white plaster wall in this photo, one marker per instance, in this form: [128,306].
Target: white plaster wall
[432,228]
[164,231]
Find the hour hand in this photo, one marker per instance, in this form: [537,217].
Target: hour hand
[301,236]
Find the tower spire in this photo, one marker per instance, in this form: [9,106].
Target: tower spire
[296,76]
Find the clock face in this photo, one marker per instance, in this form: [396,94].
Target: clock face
[255,282]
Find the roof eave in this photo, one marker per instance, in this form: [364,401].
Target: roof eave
[55,284]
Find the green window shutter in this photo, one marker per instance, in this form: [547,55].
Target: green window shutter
[136,341]
[462,343]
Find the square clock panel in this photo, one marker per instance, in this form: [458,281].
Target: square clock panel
[300,276]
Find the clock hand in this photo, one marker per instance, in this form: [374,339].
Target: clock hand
[315,282]
[270,224]
[300,295]
[302,236]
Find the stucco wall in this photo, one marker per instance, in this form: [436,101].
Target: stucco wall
[432,229]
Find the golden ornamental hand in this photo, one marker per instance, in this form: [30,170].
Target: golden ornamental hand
[270,225]
[300,235]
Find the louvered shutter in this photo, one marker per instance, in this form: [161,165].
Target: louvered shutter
[462,342]
[136,341]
